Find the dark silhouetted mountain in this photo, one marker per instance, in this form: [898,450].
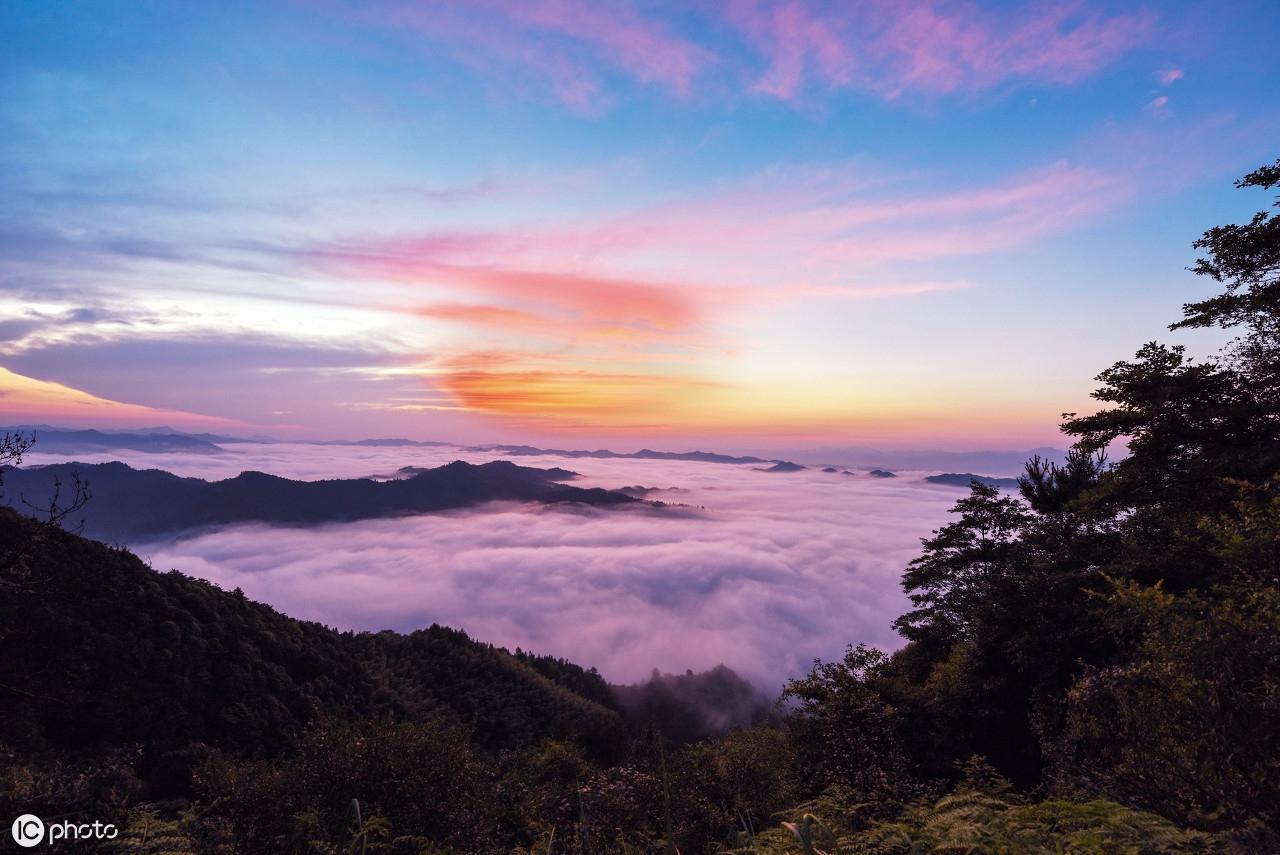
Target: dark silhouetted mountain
[55,441]
[688,707]
[830,469]
[934,460]
[382,443]
[131,505]
[108,651]
[555,473]
[642,454]
[640,492]
[783,466]
[964,479]
[882,473]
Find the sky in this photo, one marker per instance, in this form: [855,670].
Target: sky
[739,224]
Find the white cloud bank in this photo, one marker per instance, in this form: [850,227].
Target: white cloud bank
[778,569]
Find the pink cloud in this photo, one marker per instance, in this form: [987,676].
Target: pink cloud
[795,37]
[568,45]
[1167,76]
[619,34]
[661,307]
[786,223]
[892,48]
[790,232]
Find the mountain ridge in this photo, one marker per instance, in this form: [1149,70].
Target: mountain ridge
[133,505]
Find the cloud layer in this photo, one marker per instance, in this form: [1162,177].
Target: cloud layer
[771,571]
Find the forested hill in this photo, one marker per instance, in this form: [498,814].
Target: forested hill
[130,505]
[97,649]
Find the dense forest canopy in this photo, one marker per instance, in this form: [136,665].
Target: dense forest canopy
[1092,665]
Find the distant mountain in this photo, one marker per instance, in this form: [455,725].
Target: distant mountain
[963,479]
[783,466]
[642,454]
[383,443]
[641,492]
[1002,462]
[555,473]
[882,473]
[56,441]
[131,505]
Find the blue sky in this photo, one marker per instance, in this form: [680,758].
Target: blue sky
[768,223]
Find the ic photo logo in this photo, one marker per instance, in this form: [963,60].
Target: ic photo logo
[29,830]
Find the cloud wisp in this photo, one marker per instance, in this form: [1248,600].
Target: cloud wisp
[932,48]
[570,48]
[791,50]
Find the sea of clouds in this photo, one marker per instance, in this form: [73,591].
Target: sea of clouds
[761,571]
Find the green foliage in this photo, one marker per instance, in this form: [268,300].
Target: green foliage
[847,732]
[971,821]
[1246,259]
[146,832]
[1050,488]
[950,583]
[411,783]
[1190,725]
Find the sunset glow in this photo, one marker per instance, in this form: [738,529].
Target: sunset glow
[769,221]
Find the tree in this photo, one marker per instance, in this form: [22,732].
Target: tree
[59,506]
[12,447]
[1189,424]
[846,732]
[950,585]
[1246,259]
[1189,726]
[1050,488]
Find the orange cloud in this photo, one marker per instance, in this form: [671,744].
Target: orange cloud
[557,328]
[534,389]
[660,307]
[495,317]
[26,399]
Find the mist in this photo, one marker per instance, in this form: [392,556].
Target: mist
[760,571]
